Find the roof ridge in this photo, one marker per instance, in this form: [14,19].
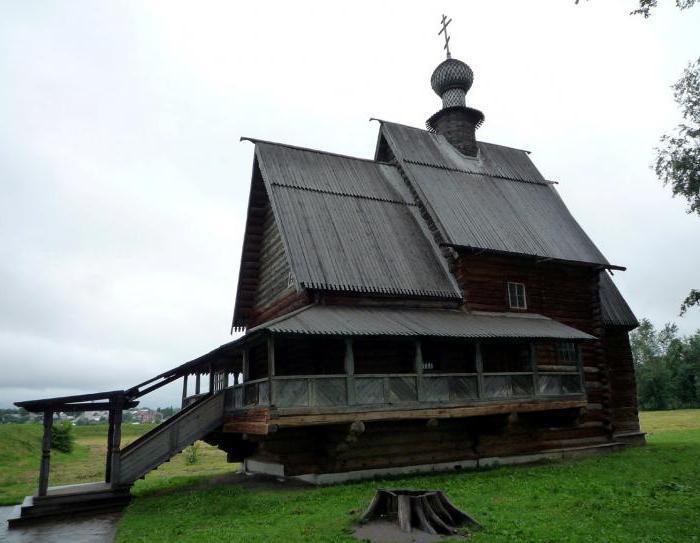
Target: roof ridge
[347,194]
[312,150]
[471,172]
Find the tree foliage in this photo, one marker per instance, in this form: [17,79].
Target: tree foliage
[62,438]
[667,367]
[678,159]
[645,6]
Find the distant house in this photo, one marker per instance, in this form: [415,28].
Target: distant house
[434,307]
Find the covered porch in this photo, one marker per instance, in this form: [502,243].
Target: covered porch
[327,364]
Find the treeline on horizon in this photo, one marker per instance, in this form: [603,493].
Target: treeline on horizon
[667,367]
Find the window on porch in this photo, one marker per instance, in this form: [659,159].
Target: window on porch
[507,368]
[303,355]
[384,355]
[448,356]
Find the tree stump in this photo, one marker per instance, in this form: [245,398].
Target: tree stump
[427,510]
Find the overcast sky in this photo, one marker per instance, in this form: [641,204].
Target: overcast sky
[124,186]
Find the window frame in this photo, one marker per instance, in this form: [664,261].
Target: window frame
[513,298]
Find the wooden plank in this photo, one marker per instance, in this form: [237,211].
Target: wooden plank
[489,409]
[247,427]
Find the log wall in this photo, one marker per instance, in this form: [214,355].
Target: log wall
[623,389]
[385,444]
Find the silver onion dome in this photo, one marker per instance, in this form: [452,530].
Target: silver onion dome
[451,80]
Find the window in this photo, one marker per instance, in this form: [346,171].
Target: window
[448,356]
[567,353]
[516,296]
[383,355]
[508,357]
[302,355]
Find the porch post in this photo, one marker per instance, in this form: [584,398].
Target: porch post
[45,453]
[118,406]
[270,365]
[479,372]
[246,365]
[419,370]
[533,367]
[350,370]
[211,378]
[184,390]
[197,383]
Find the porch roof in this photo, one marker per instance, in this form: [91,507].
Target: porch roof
[387,321]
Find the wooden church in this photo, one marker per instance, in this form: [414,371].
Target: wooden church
[434,307]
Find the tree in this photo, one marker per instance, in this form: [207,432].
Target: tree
[678,159]
[667,367]
[645,6]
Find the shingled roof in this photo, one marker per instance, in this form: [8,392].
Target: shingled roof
[354,225]
[392,321]
[614,309]
[497,201]
[349,224]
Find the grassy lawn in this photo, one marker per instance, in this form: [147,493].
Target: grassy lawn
[20,451]
[645,494]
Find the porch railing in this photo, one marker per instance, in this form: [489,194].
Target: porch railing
[340,390]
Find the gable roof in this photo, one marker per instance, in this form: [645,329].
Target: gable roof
[497,201]
[349,224]
[614,308]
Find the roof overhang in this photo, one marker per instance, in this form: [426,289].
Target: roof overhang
[418,322]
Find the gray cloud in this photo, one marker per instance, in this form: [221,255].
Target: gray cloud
[124,186]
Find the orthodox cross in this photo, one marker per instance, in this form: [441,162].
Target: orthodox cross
[444,23]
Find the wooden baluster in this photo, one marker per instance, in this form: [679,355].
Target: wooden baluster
[45,453]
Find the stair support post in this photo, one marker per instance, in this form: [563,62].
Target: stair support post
[110,439]
[45,453]
[116,438]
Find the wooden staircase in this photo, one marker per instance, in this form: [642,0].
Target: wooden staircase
[149,451]
[169,438]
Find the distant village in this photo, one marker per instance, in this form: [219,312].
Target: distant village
[137,415]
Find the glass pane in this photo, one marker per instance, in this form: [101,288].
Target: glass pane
[330,392]
[402,389]
[369,390]
[384,355]
[290,393]
[571,384]
[463,388]
[303,355]
[505,357]
[448,356]
[496,387]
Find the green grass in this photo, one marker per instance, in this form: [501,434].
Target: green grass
[647,494]
[20,452]
[650,494]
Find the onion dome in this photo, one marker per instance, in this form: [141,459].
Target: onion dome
[451,80]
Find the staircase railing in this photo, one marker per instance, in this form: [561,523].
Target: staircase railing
[169,438]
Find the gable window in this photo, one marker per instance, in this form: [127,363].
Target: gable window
[516,296]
